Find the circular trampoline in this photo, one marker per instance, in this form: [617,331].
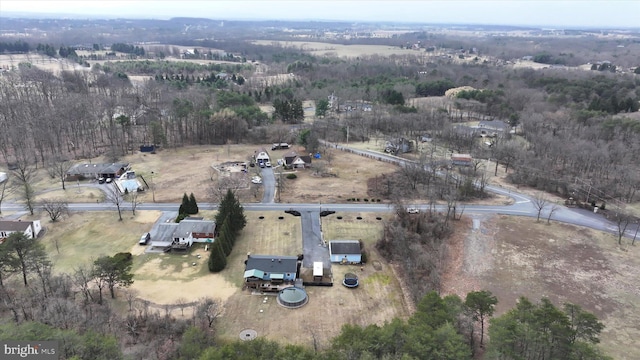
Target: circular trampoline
[292,297]
[350,280]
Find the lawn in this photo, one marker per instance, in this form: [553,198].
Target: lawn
[379,299]
[83,237]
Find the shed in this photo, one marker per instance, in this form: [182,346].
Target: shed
[345,251]
[461,159]
[318,271]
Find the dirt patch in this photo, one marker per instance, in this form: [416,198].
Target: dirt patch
[513,257]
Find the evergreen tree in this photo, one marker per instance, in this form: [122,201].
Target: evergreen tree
[184,206]
[226,237]
[217,260]
[193,205]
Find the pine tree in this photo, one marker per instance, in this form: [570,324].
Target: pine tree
[226,237]
[217,260]
[193,205]
[224,209]
[184,207]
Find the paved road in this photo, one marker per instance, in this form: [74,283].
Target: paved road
[522,205]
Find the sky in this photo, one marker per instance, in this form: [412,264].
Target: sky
[544,13]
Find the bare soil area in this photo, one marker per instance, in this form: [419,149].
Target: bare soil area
[513,257]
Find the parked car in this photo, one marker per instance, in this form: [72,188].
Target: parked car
[256,180]
[109,180]
[413,210]
[268,164]
[101,180]
[261,164]
[144,239]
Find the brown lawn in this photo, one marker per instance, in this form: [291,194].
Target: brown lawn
[513,257]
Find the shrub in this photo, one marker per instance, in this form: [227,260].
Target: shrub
[363,258]
[291,176]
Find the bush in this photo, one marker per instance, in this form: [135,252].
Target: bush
[291,176]
[363,258]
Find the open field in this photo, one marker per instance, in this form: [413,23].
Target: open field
[328,49]
[351,173]
[86,236]
[513,257]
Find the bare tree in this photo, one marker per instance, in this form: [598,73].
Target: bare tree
[622,222]
[114,196]
[56,208]
[24,174]
[57,168]
[539,201]
[81,278]
[4,192]
[208,309]
[635,235]
[553,209]
[181,303]
[218,189]
[133,199]
[130,295]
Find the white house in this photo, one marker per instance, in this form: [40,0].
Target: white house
[262,156]
[30,228]
[182,235]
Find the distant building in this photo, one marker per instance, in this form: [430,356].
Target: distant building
[95,171]
[461,160]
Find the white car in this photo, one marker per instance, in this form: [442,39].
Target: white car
[413,210]
[256,180]
[268,164]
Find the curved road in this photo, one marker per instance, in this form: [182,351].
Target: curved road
[522,206]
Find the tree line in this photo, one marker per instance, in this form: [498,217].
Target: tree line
[230,220]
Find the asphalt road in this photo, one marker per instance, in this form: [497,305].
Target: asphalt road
[522,206]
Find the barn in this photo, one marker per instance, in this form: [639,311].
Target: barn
[345,251]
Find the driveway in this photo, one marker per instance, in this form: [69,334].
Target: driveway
[313,247]
[269,184]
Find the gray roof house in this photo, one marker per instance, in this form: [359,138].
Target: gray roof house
[271,272]
[89,171]
[30,228]
[183,234]
[345,251]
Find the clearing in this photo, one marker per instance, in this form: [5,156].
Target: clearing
[514,256]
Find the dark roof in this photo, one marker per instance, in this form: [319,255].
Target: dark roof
[272,263]
[110,168]
[190,226]
[14,225]
[344,247]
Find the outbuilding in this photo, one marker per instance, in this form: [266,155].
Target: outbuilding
[345,251]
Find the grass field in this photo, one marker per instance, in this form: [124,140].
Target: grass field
[513,257]
[377,301]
